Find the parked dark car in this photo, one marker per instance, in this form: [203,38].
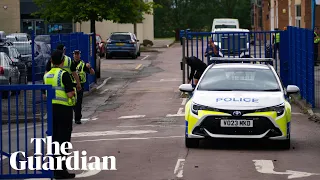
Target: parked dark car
[9,73]
[122,44]
[15,57]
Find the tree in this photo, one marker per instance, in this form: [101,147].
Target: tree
[91,10]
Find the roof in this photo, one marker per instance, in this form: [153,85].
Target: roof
[231,30]
[240,65]
[121,33]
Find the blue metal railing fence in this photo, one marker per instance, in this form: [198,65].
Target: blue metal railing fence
[18,126]
[41,53]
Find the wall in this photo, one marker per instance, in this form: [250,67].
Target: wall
[266,15]
[283,17]
[10,17]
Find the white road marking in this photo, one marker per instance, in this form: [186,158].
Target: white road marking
[110,133]
[3,158]
[184,101]
[297,113]
[178,170]
[145,57]
[174,115]
[94,119]
[150,126]
[104,91]
[89,173]
[180,111]
[131,117]
[169,80]
[104,82]
[133,138]
[267,167]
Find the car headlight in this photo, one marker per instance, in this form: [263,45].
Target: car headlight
[196,107]
[278,108]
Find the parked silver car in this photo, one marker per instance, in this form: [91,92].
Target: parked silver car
[9,72]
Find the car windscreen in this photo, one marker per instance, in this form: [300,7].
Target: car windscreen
[22,38]
[225,26]
[239,79]
[23,48]
[5,50]
[121,37]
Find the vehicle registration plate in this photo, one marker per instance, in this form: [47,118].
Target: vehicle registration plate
[119,44]
[236,123]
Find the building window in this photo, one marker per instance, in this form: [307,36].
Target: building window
[298,16]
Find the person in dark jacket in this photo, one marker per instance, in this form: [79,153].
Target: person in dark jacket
[212,50]
[197,68]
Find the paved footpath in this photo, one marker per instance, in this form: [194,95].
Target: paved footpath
[147,139]
[145,132]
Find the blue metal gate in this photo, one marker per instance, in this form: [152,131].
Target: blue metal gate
[293,57]
[21,119]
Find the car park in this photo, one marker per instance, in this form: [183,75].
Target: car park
[15,57]
[122,44]
[237,99]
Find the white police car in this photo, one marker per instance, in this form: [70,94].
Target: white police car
[238,100]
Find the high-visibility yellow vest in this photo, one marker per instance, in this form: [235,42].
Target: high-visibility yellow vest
[277,38]
[54,78]
[317,40]
[81,73]
[66,66]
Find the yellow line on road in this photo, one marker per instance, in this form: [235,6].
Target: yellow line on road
[138,66]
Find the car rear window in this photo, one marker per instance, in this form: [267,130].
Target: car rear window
[122,37]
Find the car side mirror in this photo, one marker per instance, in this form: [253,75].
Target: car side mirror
[292,89]
[186,88]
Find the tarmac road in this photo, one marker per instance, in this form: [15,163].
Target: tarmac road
[142,125]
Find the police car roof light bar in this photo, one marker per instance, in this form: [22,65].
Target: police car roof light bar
[240,60]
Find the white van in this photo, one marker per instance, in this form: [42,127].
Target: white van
[225,23]
[232,42]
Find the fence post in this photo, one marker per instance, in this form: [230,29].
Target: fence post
[183,63]
[33,60]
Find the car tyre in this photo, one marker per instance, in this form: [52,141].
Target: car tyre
[138,53]
[191,142]
[108,56]
[134,56]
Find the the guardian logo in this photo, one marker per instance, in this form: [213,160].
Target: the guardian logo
[47,161]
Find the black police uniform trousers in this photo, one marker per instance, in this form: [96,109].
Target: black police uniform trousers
[78,107]
[62,128]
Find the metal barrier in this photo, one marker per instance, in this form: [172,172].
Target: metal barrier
[294,63]
[297,58]
[21,119]
[43,45]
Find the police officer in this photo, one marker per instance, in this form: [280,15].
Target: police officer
[276,42]
[82,70]
[316,44]
[196,66]
[69,66]
[62,104]
[212,50]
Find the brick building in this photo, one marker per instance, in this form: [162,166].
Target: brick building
[282,13]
